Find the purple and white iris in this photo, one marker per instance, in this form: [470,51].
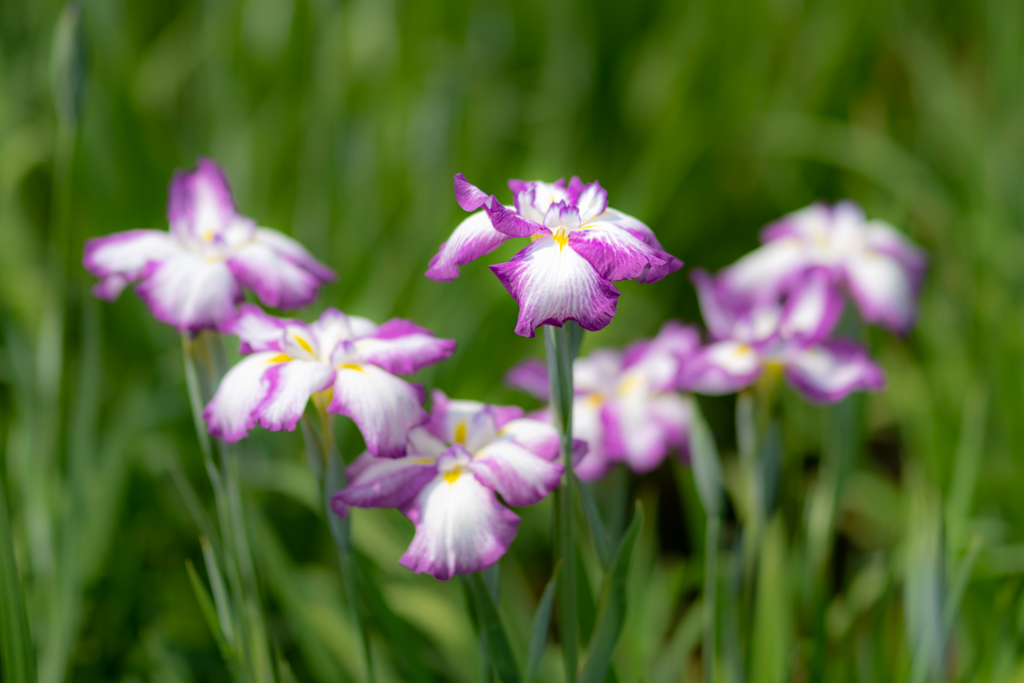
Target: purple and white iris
[792,336]
[192,277]
[626,406]
[447,481]
[346,363]
[578,247]
[878,266]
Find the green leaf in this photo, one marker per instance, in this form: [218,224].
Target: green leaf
[16,651]
[209,611]
[541,624]
[225,616]
[707,470]
[586,608]
[575,333]
[612,614]
[598,535]
[494,631]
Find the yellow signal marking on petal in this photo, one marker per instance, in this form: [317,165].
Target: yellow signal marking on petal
[743,349]
[280,358]
[425,461]
[561,237]
[595,399]
[460,433]
[351,366]
[534,238]
[452,477]
[304,344]
[208,235]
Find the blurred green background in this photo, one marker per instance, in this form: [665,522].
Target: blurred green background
[342,124]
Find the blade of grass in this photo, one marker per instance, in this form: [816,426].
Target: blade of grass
[16,651]
[541,624]
[614,603]
[490,625]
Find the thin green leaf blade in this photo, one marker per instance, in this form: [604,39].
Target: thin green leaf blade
[490,623]
[707,470]
[541,624]
[209,611]
[612,614]
[16,650]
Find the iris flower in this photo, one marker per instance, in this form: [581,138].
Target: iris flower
[578,247]
[877,265]
[792,337]
[626,406]
[192,277]
[345,363]
[446,483]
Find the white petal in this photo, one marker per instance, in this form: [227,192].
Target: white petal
[289,387]
[229,414]
[190,292]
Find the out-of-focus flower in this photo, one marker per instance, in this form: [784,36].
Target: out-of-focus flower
[880,268]
[345,363]
[193,276]
[578,247]
[626,406]
[792,336]
[446,483]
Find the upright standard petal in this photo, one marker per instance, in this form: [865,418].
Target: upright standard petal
[473,238]
[403,354]
[229,415]
[829,371]
[384,407]
[767,270]
[190,292]
[199,204]
[812,308]
[121,258]
[460,527]
[385,482]
[289,387]
[552,283]
[617,254]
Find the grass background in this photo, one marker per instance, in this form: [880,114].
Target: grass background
[342,124]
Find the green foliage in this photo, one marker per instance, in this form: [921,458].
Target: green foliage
[894,548]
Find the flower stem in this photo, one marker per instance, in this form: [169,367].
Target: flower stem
[329,469]
[253,648]
[559,357]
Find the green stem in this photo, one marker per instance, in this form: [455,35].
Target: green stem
[330,472]
[710,592]
[559,357]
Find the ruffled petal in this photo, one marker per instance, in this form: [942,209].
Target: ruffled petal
[552,283]
[229,415]
[812,308]
[884,289]
[291,250]
[473,238]
[518,474]
[278,282]
[460,527]
[290,386]
[402,348]
[257,330]
[384,407]
[643,233]
[385,482]
[768,270]
[530,376]
[469,196]
[511,223]
[121,258]
[827,372]
[617,254]
[538,437]
[189,292]
[721,368]
[661,359]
